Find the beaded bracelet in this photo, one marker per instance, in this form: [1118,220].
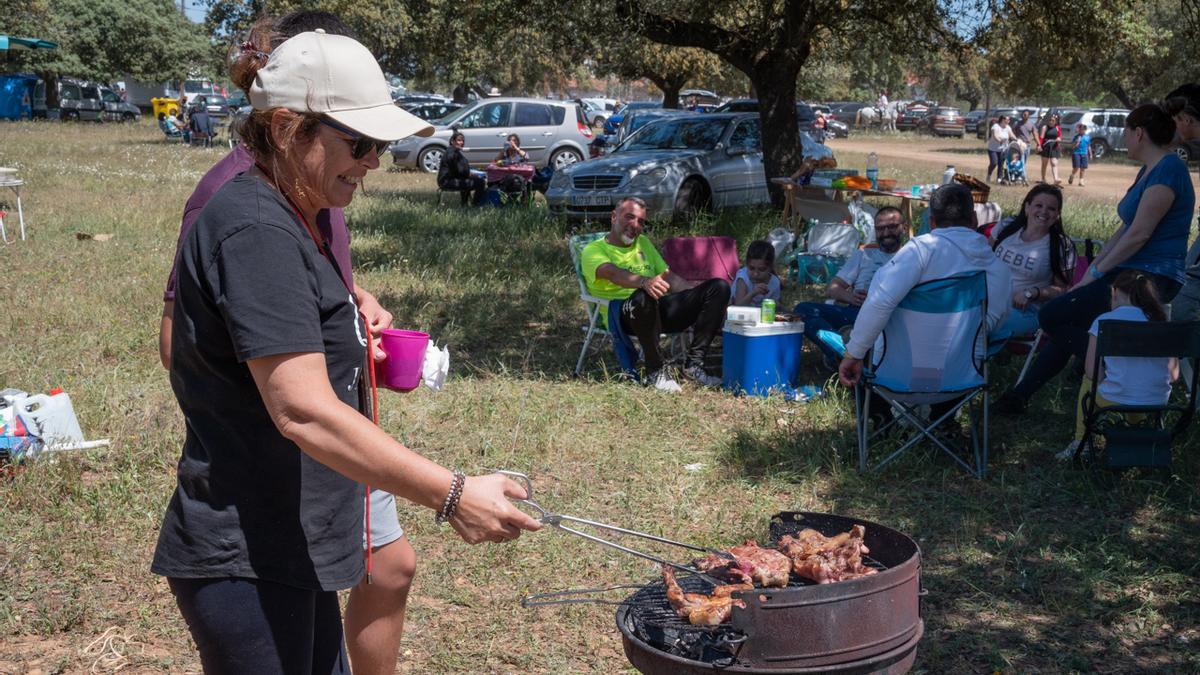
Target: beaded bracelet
[450,506]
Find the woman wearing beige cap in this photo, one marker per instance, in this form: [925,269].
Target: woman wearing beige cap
[268,357]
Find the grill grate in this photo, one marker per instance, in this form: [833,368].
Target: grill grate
[600,182]
[652,618]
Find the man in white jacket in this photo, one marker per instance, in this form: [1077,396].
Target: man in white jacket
[952,247]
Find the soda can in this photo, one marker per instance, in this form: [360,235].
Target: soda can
[768,311]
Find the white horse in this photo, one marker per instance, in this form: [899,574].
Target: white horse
[886,119]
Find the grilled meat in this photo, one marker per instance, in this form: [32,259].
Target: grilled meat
[752,563]
[827,559]
[700,609]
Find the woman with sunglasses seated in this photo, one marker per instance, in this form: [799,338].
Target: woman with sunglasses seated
[268,357]
[454,173]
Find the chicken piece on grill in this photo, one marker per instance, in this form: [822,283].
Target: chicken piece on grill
[763,566]
[700,609]
[827,559]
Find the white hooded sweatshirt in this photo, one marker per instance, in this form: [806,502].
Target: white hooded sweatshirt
[944,252]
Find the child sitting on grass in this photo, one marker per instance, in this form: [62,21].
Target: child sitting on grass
[757,280]
[1125,380]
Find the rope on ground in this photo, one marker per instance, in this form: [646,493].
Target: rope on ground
[107,650]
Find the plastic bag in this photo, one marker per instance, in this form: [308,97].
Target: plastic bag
[436,366]
[863,217]
[781,239]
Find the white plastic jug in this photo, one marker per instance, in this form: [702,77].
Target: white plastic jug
[54,417]
[948,174]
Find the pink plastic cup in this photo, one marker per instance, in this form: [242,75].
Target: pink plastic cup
[405,350]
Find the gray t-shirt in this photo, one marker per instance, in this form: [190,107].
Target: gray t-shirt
[248,502]
[1025,130]
[861,266]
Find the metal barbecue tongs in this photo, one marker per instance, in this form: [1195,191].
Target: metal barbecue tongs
[556,520]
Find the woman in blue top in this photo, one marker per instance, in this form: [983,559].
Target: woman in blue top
[1155,217]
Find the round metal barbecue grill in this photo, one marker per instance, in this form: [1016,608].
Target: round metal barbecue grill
[867,625]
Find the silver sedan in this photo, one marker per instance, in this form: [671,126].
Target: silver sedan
[678,166]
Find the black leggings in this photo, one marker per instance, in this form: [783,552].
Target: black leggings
[476,184]
[701,308]
[252,626]
[1067,320]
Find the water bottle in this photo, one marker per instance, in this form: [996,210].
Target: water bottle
[873,169]
[948,174]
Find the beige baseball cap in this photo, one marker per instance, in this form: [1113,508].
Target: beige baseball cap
[338,77]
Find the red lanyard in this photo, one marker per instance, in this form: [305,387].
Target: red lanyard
[324,249]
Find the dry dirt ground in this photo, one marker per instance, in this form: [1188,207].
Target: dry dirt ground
[1105,179]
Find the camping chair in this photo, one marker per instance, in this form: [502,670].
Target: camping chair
[702,258]
[931,351]
[1138,435]
[593,304]
[596,306]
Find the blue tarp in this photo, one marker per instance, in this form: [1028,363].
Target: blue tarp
[16,95]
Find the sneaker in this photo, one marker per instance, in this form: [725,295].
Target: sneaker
[1010,404]
[662,381]
[1080,182]
[696,374]
[1071,179]
[1068,453]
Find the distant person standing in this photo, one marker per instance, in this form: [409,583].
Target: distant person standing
[1026,131]
[1081,152]
[999,137]
[819,127]
[1051,142]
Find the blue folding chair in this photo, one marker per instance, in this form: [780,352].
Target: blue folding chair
[932,350]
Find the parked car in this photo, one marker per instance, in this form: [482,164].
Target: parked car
[216,105]
[79,100]
[409,99]
[912,117]
[805,114]
[552,132]
[971,120]
[1013,114]
[834,127]
[431,111]
[116,110]
[846,113]
[597,110]
[614,120]
[943,121]
[1106,126]
[1188,151]
[640,118]
[236,100]
[678,165]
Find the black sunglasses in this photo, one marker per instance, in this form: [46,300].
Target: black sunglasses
[359,145]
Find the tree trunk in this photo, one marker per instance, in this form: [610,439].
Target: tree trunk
[782,153]
[671,92]
[1122,96]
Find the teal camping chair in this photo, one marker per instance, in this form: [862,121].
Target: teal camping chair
[932,351]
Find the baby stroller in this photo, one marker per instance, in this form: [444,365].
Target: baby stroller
[1013,171]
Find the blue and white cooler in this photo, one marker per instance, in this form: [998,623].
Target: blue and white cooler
[758,358]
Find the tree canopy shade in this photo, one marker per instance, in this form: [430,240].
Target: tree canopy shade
[104,39]
[1133,50]
[669,68]
[772,40]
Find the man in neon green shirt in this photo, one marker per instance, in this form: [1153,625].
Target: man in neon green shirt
[625,266]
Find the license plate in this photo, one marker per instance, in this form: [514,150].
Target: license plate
[590,200]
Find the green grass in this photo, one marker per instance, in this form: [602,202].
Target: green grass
[1038,569]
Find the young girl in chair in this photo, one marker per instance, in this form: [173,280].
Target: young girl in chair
[1125,380]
